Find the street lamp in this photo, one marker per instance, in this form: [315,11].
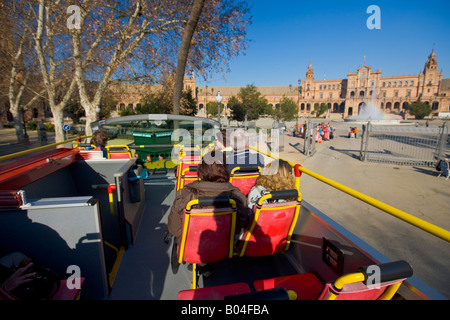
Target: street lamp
[97,111]
[219,100]
[25,135]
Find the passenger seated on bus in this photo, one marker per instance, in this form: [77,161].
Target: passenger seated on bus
[100,140]
[214,181]
[444,168]
[276,177]
[220,140]
[9,282]
[241,154]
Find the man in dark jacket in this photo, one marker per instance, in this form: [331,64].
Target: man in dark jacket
[242,154]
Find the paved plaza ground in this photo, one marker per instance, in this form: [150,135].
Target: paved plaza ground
[415,190]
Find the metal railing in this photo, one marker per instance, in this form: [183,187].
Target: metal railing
[48,146]
[419,223]
[408,145]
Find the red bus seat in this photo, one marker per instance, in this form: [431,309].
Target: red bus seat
[207,232]
[271,225]
[186,159]
[353,286]
[244,177]
[63,292]
[118,152]
[189,156]
[188,175]
[214,293]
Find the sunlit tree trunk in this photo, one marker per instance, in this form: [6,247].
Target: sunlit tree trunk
[183,54]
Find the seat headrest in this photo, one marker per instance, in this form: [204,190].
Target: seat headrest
[270,294]
[284,194]
[193,168]
[389,271]
[214,201]
[247,168]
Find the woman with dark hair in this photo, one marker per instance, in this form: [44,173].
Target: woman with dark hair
[100,140]
[214,181]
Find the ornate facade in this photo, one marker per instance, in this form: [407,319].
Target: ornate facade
[345,96]
[391,94]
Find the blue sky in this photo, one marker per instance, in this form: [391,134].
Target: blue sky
[285,35]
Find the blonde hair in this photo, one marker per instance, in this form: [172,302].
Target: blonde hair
[282,179]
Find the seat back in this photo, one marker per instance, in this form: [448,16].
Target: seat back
[271,226]
[244,177]
[188,175]
[186,159]
[376,282]
[207,233]
[118,152]
[215,292]
[385,280]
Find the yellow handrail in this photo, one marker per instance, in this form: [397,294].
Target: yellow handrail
[419,223]
[48,146]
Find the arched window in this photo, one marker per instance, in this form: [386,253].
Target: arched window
[361,94]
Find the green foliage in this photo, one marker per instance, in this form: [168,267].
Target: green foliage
[287,110]
[268,110]
[107,104]
[320,109]
[252,101]
[50,127]
[237,109]
[212,108]
[128,111]
[75,111]
[419,109]
[188,104]
[161,101]
[249,102]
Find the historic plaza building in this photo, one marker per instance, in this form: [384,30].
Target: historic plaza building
[345,96]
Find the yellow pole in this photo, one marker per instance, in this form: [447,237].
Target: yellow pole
[48,146]
[419,223]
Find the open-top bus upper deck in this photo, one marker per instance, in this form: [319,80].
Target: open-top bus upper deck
[109,216]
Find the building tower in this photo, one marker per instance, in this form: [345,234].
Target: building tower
[310,72]
[431,78]
[309,82]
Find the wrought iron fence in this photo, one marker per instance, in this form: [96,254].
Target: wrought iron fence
[407,145]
